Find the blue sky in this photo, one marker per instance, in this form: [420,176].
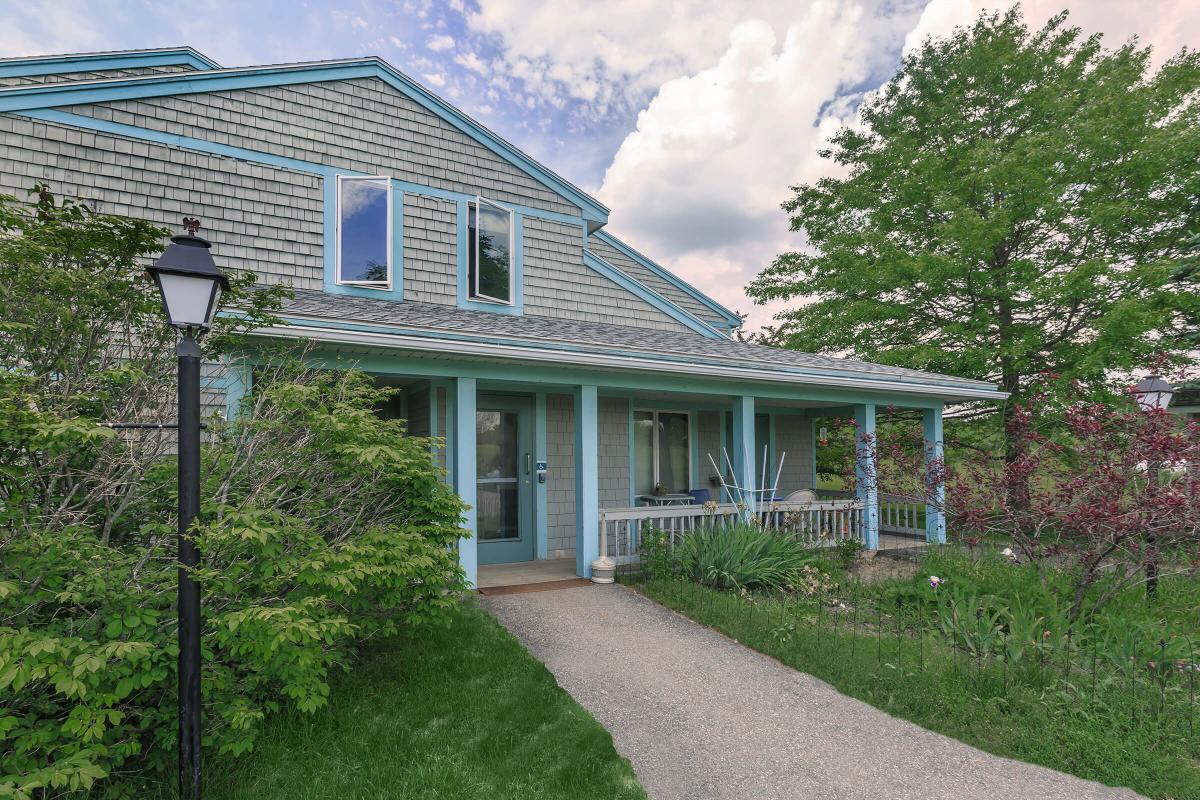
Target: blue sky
[689,118]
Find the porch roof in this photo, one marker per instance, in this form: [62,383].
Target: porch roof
[345,318]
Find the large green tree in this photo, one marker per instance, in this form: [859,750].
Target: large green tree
[1013,203]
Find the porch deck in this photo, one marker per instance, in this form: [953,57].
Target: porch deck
[522,573]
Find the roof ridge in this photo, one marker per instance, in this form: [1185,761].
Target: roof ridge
[111,54]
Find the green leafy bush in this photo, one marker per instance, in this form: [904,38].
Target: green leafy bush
[322,524]
[743,556]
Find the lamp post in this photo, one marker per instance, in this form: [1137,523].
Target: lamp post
[190,285]
[1153,396]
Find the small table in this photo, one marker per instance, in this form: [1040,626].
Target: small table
[671,499]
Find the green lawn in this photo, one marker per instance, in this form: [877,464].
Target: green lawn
[1044,711]
[461,712]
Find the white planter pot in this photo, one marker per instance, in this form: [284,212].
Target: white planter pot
[603,569]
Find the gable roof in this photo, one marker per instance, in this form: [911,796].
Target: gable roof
[433,328]
[731,319]
[46,96]
[27,66]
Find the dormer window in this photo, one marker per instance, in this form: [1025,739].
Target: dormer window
[364,232]
[490,252]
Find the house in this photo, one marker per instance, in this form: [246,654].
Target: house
[571,376]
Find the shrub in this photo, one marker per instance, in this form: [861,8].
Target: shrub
[321,526]
[847,552]
[743,556]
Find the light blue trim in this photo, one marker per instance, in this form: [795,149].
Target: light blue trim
[587,479]
[464,473]
[462,253]
[866,469]
[632,457]
[238,377]
[812,436]
[541,450]
[91,62]
[650,296]
[743,442]
[733,319]
[935,516]
[329,241]
[224,80]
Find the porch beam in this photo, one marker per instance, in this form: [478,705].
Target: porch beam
[462,427]
[744,446]
[935,515]
[587,479]
[867,472]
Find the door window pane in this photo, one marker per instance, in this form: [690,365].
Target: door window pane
[496,444]
[497,510]
[661,451]
[643,452]
[674,455]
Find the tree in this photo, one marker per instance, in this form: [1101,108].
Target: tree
[1107,499]
[1014,205]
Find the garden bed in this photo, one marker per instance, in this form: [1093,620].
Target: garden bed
[1114,701]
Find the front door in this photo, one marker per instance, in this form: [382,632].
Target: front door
[504,479]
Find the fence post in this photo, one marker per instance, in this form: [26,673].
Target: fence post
[867,472]
[935,502]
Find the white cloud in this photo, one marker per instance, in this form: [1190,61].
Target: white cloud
[440,42]
[472,62]
[435,78]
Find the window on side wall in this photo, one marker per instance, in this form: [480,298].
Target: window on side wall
[490,252]
[364,232]
[662,451]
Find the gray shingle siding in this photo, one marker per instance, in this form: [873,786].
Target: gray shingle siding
[793,435]
[92,75]
[560,489]
[649,278]
[430,250]
[613,422]
[360,124]
[558,285]
[260,218]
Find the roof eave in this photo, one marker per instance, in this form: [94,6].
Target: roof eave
[531,353]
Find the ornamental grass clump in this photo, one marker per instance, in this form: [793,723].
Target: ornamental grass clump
[743,557]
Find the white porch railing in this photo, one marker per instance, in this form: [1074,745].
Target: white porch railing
[818,523]
[897,513]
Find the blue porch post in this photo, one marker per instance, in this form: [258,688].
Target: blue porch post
[867,474]
[744,446]
[237,386]
[461,428]
[935,515]
[587,479]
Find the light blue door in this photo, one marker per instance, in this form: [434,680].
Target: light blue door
[504,479]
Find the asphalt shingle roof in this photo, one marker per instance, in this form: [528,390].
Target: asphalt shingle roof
[529,330]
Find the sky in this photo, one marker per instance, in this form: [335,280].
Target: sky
[690,119]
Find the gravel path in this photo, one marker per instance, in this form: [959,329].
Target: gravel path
[703,717]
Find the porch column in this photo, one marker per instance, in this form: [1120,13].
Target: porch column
[237,386]
[744,447]
[461,427]
[935,515]
[587,480]
[866,472]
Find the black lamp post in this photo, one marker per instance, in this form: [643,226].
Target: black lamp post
[190,284]
[1153,395]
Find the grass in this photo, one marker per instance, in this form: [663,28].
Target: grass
[1044,712]
[460,712]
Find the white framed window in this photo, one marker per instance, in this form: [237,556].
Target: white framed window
[364,231]
[490,270]
[662,451]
